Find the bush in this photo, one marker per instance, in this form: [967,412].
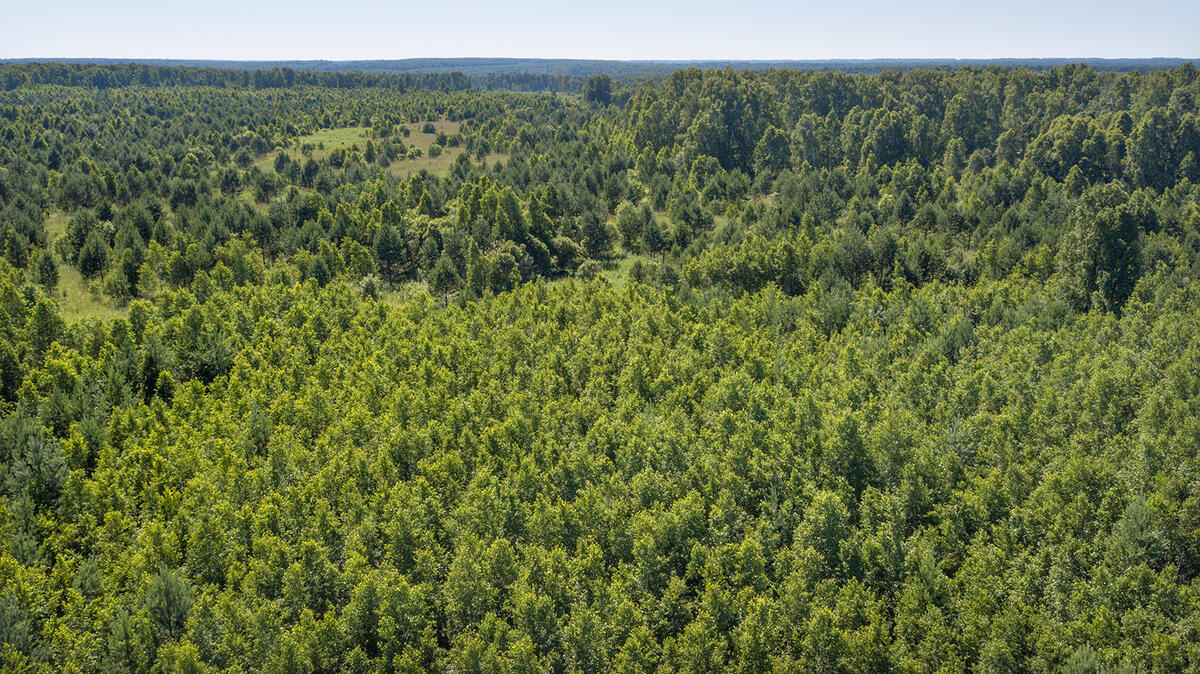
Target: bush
[590,269]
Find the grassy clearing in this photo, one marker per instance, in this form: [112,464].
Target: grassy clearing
[616,272]
[326,141]
[402,292]
[76,299]
[74,296]
[56,226]
[403,168]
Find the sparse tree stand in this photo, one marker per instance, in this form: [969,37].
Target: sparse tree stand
[654,238]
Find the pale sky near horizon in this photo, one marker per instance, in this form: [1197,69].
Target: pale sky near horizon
[612,29]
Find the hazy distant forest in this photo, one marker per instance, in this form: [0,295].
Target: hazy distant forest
[708,371]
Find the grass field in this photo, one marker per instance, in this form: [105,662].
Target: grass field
[402,292]
[73,294]
[325,141]
[616,271]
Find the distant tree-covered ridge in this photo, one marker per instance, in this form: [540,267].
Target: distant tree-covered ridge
[626,68]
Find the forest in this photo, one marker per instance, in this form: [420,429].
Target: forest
[702,371]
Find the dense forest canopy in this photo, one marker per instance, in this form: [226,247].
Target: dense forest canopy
[719,370]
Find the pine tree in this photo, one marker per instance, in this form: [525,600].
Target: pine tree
[443,278]
[477,271]
[169,601]
[47,270]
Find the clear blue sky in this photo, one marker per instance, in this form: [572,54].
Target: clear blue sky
[616,29]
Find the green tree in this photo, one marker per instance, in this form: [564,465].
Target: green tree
[598,89]
[1101,253]
[597,236]
[230,182]
[169,601]
[630,223]
[443,278]
[654,238]
[93,256]
[47,271]
[392,252]
[772,151]
[1151,154]
[477,270]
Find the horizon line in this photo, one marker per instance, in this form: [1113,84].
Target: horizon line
[589,59]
